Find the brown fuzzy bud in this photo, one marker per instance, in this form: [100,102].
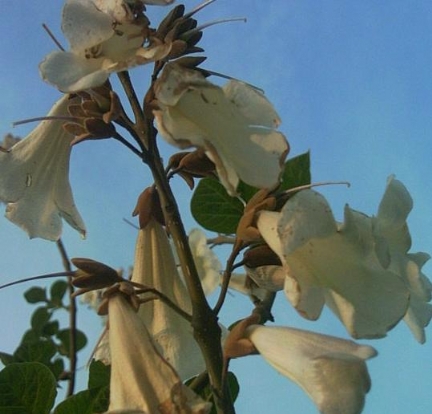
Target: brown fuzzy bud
[98,128]
[93,275]
[261,256]
[198,164]
[148,206]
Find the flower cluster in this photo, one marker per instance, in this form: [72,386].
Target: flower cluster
[362,268]
[105,37]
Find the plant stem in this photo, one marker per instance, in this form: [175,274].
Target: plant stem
[238,245]
[72,321]
[204,321]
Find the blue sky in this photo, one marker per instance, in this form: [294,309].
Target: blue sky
[352,84]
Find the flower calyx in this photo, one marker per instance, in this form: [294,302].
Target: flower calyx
[177,29]
[93,275]
[190,165]
[148,206]
[237,344]
[247,230]
[93,116]
[260,255]
[123,288]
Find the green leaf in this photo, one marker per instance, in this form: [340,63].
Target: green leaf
[57,367]
[40,318]
[36,351]
[296,172]
[6,359]
[35,295]
[30,336]
[214,209]
[99,374]
[95,399]
[57,291]
[246,191]
[27,388]
[233,386]
[64,337]
[204,389]
[51,328]
[84,402]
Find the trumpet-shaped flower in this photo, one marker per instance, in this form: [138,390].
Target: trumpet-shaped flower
[391,229]
[105,37]
[34,179]
[155,267]
[206,261]
[330,370]
[341,265]
[235,125]
[142,381]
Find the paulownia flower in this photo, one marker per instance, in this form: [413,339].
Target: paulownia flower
[341,265]
[142,381]
[332,371]
[34,179]
[391,230]
[155,266]
[104,37]
[206,261]
[236,125]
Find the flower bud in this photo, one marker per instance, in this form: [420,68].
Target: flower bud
[261,256]
[93,275]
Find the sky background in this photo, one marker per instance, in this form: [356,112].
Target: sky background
[352,84]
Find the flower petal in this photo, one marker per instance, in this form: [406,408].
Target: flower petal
[141,379]
[70,72]
[331,371]
[206,261]
[193,112]
[155,266]
[340,265]
[393,211]
[34,180]
[84,25]
[252,104]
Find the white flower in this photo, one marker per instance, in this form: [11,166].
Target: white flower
[104,37]
[155,267]
[330,370]
[391,229]
[342,266]
[142,381]
[206,261]
[34,179]
[234,124]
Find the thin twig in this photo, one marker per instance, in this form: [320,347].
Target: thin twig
[30,279]
[221,239]
[165,299]
[72,321]
[53,38]
[140,127]
[127,144]
[238,246]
